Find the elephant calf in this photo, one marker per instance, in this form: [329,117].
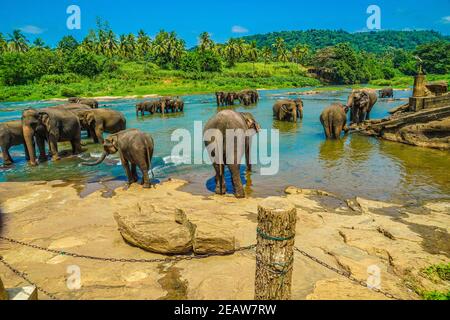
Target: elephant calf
[334,120]
[98,121]
[135,150]
[11,134]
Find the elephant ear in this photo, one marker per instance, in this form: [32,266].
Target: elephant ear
[114,140]
[365,99]
[90,118]
[44,117]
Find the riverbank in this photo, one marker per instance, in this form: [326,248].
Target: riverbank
[349,234]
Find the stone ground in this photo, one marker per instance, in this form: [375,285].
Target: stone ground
[351,235]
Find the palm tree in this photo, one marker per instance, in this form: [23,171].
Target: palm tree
[253,53]
[267,55]
[144,43]
[231,51]
[131,43]
[110,44]
[17,42]
[90,42]
[280,47]
[39,43]
[205,42]
[3,43]
[299,52]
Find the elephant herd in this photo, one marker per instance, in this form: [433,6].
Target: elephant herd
[163,105]
[66,122]
[245,97]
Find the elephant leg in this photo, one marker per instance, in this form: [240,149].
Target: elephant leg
[247,154]
[53,146]
[368,115]
[41,146]
[7,160]
[76,146]
[99,134]
[236,178]
[126,167]
[145,177]
[221,187]
[326,128]
[337,130]
[93,135]
[134,173]
[27,155]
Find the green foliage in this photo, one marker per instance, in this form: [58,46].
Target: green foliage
[376,41]
[201,61]
[441,271]
[83,63]
[436,295]
[435,56]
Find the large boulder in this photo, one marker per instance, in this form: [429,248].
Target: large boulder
[165,231]
[211,239]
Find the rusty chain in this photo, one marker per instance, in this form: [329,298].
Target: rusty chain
[346,274]
[24,276]
[178,258]
[128,260]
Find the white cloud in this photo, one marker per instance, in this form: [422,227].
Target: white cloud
[446,19]
[239,29]
[32,29]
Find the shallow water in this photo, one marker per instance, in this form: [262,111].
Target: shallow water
[356,165]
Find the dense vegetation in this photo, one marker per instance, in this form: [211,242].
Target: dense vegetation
[375,42]
[106,64]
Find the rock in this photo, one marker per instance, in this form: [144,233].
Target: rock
[212,239]
[160,231]
[3,293]
[24,293]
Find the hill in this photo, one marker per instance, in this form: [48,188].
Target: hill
[375,41]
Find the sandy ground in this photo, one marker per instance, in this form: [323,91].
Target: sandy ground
[352,235]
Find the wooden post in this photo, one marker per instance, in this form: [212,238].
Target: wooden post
[3,293]
[275,249]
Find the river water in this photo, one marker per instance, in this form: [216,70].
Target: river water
[355,166]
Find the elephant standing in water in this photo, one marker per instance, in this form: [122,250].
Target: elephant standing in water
[135,150]
[361,103]
[52,124]
[234,121]
[386,93]
[288,110]
[11,134]
[98,121]
[334,120]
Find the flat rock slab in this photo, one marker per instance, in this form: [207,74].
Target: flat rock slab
[24,293]
[156,230]
[211,239]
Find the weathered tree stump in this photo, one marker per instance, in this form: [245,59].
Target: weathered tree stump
[275,249]
[3,293]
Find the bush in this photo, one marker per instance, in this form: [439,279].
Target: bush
[197,61]
[69,92]
[59,78]
[83,63]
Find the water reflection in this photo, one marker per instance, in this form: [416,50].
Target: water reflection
[332,151]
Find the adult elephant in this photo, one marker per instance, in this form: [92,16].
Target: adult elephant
[230,98]
[99,121]
[89,102]
[55,125]
[334,120]
[135,150]
[361,103]
[221,122]
[386,93]
[253,94]
[149,106]
[245,99]
[288,110]
[11,134]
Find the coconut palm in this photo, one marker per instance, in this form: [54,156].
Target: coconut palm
[205,42]
[3,43]
[90,42]
[253,53]
[38,43]
[267,55]
[143,43]
[231,52]
[17,42]
[299,52]
[110,44]
[280,47]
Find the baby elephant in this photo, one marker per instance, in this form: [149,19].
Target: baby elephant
[135,149]
[334,120]
[11,135]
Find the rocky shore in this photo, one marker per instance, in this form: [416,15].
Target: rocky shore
[352,235]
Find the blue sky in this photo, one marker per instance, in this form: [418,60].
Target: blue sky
[223,19]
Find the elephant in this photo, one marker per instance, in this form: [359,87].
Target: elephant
[386,93]
[334,120]
[221,98]
[135,150]
[288,110]
[98,121]
[230,97]
[51,124]
[360,103]
[150,106]
[89,102]
[11,134]
[173,105]
[230,120]
[245,99]
[179,105]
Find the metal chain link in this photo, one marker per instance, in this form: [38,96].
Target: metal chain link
[346,274]
[125,260]
[24,276]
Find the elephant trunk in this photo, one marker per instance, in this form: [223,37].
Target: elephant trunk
[28,135]
[100,160]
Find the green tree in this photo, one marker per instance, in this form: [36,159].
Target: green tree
[90,43]
[267,55]
[253,53]
[282,52]
[17,42]
[144,43]
[205,42]
[3,44]
[67,44]
[38,43]
[435,57]
[83,63]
